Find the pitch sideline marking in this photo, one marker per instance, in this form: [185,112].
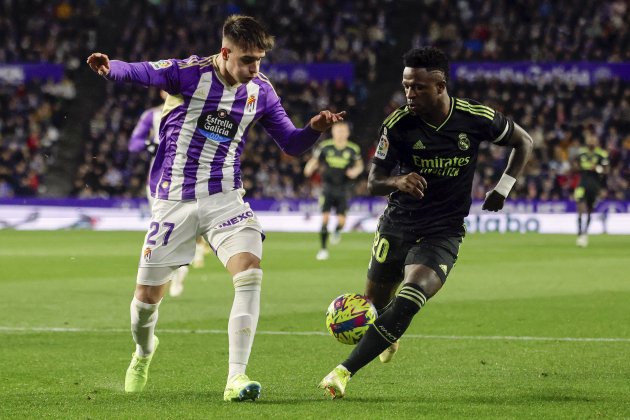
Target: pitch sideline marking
[9,330]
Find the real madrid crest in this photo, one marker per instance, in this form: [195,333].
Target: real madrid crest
[463,143]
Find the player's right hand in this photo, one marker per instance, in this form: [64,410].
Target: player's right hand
[412,183]
[99,63]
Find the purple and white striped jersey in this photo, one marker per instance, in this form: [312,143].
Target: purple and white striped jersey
[205,122]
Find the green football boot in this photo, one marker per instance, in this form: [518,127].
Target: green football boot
[335,382]
[240,388]
[138,370]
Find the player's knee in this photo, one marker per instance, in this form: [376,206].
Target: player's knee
[241,262]
[149,294]
[426,278]
[380,294]
[250,279]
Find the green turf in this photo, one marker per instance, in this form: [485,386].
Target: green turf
[538,286]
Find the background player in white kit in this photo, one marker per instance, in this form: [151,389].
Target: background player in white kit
[196,182]
[146,136]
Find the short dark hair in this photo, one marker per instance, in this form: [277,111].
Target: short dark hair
[430,58]
[247,32]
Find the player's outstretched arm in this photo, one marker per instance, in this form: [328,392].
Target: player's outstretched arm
[522,149]
[325,119]
[381,183]
[163,74]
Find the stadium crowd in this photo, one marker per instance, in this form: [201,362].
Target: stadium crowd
[359,32]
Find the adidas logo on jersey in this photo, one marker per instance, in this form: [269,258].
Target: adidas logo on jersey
[419,145]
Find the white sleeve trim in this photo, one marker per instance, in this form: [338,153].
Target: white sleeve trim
[498,139]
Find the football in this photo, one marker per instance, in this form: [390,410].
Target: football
[349,316]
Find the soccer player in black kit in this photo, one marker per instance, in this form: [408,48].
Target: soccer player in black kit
[425,162]
[339,162]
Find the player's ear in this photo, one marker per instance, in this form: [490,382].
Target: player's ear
[441,86]
[225,52]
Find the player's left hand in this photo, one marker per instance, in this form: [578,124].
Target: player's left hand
[493,202]
[325,119]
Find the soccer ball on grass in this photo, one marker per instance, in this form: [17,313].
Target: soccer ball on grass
[349,316]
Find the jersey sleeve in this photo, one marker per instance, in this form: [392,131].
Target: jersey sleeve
[500,129]
[293,141]
[163,74]
[386,154]
[141,132]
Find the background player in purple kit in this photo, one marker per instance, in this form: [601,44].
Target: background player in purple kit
[196,182]
[146,136]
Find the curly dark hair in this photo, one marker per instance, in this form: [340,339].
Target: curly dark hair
[430,58]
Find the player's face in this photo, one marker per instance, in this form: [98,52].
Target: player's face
[423,89]
[340,131]
[241,64]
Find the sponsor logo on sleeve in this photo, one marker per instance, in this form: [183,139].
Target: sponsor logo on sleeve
[383,146]
[162,64]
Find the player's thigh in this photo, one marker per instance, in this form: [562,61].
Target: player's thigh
[325,202]
[241,251]
[170,239]
[590,197]
[341,204]
[430,261]
[388,258]
[232,229]
[386,267]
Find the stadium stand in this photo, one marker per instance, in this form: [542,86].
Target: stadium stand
[88,158]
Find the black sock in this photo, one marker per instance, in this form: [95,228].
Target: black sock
[381,311]
[579,224]
[323,236]
[388,327]
[338,228]
[588,222]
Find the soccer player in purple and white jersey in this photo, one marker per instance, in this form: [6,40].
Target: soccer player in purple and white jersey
[146,136]
[196,182]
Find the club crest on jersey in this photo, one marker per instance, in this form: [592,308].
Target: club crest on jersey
[162,64]
[463,143]
[146,254]
[217,126]
[250,105]
[383,145]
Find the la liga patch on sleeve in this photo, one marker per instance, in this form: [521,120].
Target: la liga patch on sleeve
[383,146]
[162,64]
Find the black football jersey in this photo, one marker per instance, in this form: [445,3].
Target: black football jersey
[445,156]
[588,162]
[335,162]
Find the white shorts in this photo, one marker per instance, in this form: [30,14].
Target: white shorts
[175,225]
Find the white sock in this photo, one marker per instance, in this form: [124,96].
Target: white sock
[144,316]
[243,318]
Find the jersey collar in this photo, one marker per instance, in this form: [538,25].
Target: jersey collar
[448,117]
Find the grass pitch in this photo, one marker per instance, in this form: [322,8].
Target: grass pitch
[526,326]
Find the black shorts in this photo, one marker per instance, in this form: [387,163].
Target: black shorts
[335,199]
[391,253]
[587,193]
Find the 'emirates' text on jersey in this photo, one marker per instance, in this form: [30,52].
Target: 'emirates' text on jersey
[445,156]
[335,162]
[204,124]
